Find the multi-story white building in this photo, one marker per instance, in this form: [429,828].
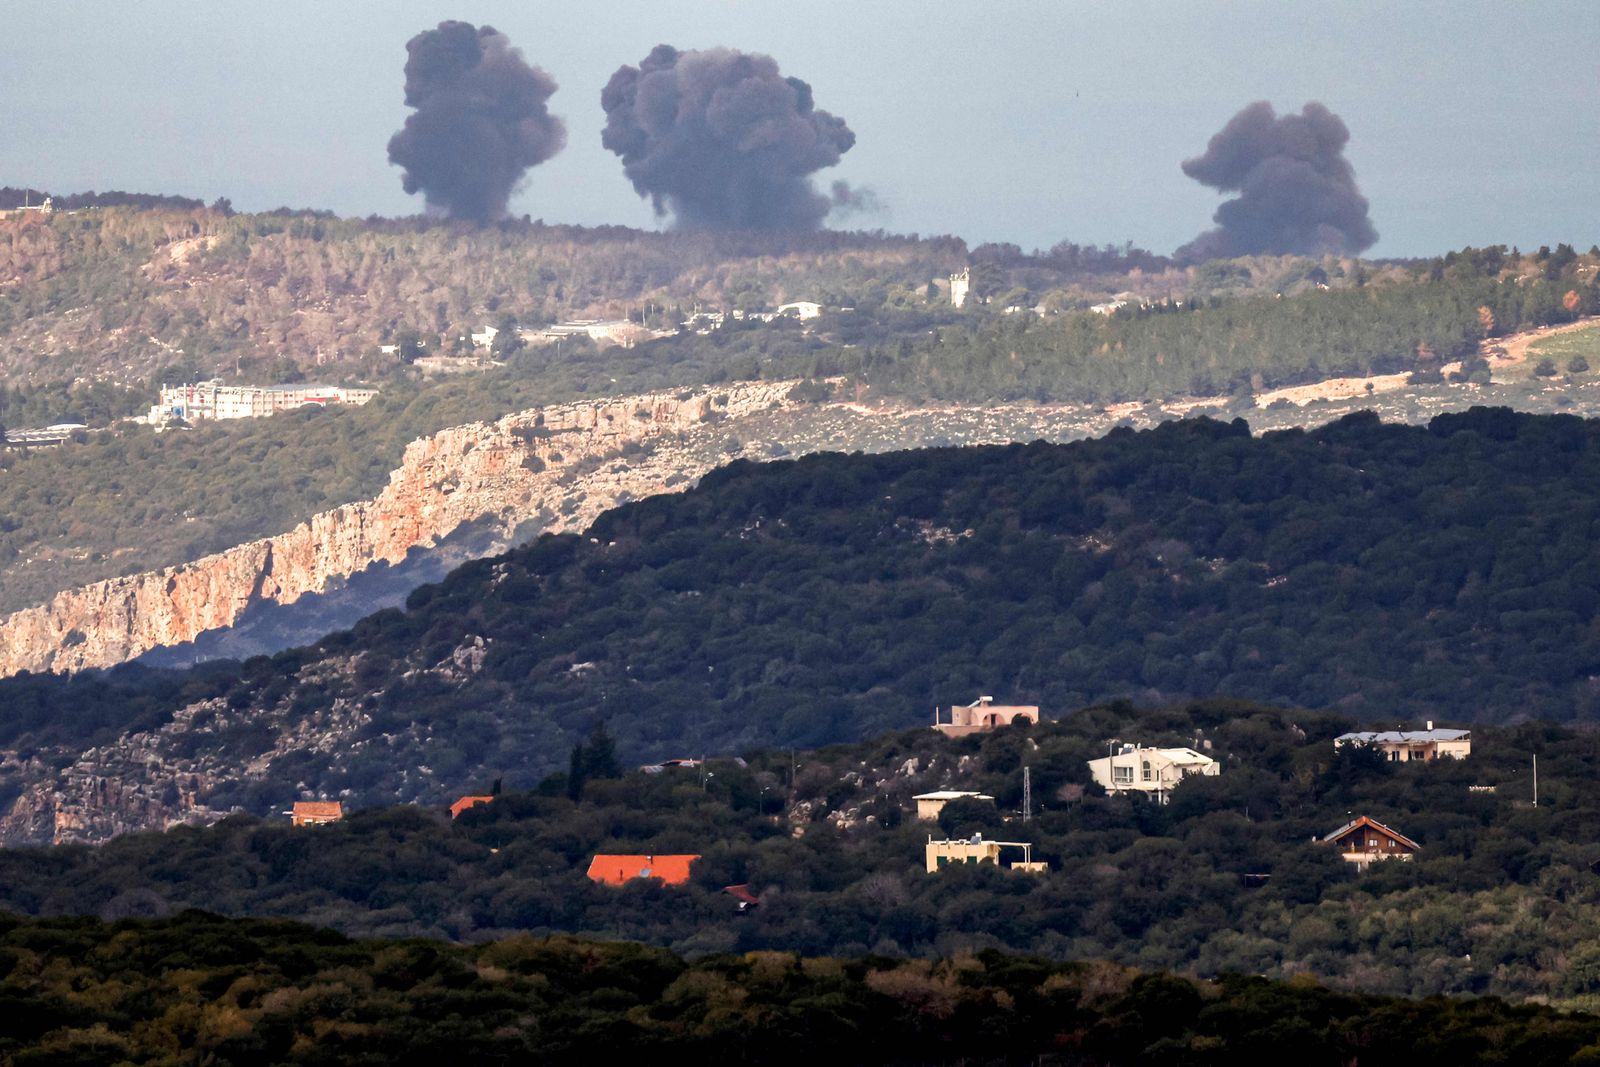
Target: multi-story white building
[213,400]
[1157,771]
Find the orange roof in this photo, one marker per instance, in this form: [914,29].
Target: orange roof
[467,802]
[616,870]
[318,809]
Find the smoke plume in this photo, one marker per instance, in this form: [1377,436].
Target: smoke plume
[1297,193]
[481,120]
[721,140]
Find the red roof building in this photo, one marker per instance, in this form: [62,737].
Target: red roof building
[619,870]
[316,812]
[467,802]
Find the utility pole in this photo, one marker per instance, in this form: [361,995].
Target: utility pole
[1027,793]
[1536,779]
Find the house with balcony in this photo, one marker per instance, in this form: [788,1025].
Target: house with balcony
[1153,771]
[1364,841]
[1406,746]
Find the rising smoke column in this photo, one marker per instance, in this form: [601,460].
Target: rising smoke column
[1297,193]
[722,140]
[481,120]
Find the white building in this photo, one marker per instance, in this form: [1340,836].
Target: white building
[484,338]
[213,400]
[1403,746]
[1133,769]
[800,309]
[960,285]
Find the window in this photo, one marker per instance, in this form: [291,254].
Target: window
[1122,775]
[1146,772]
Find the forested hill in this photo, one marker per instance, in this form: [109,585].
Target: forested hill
[1392,572]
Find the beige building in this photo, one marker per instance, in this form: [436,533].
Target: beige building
[1157,771]
[976,849]
[929,805]
[213,400]
[981,715]
[1403,746]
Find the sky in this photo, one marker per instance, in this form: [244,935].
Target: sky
[1472,121]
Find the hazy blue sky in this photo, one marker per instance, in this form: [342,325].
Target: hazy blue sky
[1471,122]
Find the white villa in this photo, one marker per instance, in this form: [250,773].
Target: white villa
[1133,769]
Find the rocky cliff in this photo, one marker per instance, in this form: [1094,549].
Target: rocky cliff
[549,464]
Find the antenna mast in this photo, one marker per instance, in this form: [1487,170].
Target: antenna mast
[1027,793]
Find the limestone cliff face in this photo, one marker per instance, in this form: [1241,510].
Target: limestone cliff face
[547,462]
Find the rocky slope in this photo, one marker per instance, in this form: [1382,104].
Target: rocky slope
[548,464]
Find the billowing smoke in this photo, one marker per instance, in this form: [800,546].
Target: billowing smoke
[481,120]
[1297,193]
[721,140]
[845,200]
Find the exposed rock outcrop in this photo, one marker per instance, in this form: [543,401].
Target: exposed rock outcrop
[547,462]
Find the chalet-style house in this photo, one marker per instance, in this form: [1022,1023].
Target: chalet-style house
[980,716]
[1364,841]
[1403,746]
[619,870]
[1154,771]
[467,802]
[976,849]
[929,805]
[741,893]
[316,812]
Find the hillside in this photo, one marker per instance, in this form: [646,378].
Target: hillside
[1499,897]
[203,989]
[1390,571]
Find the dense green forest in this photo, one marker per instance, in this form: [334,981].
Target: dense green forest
[1445,571]
[200,989]
[1501,898]
[1217,346]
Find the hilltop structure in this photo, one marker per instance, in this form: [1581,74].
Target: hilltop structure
[982,715]
[976,849]
[213,400]
[1155,771]
[1403,746]
[929,805]
[1364,841]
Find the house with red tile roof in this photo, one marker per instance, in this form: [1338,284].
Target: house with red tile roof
[467,802]
[613,869]
[316,812]
[1364,841]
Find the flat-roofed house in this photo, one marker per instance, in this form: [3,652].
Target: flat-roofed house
[929,805]
[1364,841]
[977,849]
[981,715]
[1157,771]
[613,869]
[1404,746]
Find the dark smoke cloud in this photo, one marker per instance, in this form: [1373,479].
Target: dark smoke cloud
[845,200]
[722,140]
[1297,193]
[481,120]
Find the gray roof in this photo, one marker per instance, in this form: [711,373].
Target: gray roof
[1396,737]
